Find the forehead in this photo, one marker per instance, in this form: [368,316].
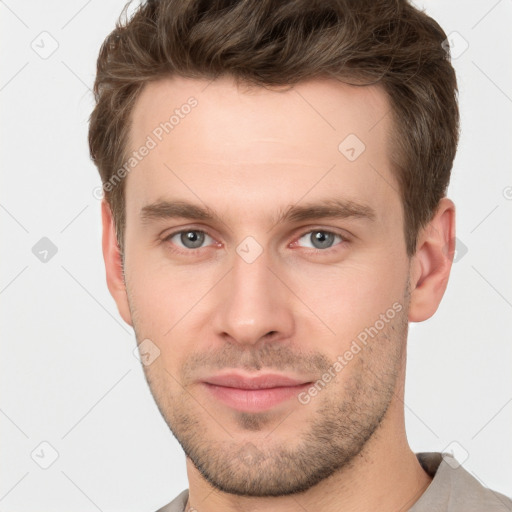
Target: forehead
[255,145]
[227,112]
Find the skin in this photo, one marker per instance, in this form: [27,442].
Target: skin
[248,154]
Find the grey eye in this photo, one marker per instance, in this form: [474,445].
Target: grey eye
[190,239]
[320,239]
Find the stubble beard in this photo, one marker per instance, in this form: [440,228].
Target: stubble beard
[347,414]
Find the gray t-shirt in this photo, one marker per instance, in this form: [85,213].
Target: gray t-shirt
[452,489]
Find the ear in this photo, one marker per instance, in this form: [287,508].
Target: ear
[113,264]
[432,262]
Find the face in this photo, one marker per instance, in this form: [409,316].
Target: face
[299,270]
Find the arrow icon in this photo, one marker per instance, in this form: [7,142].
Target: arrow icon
[146,352]
[249,249]
[44,45]
[44,455]
[44,250]
[351,147]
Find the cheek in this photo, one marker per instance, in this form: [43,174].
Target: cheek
[348,297]
[167,298]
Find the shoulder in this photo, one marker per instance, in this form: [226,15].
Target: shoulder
[454,489]
[177,504]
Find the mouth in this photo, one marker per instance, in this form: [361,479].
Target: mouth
[253,394]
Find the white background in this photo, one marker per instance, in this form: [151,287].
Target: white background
[68,374]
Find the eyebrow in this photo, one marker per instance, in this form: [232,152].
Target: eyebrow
[333,208]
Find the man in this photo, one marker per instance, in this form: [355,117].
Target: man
[274,216]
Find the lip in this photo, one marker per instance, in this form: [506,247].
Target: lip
[253,393]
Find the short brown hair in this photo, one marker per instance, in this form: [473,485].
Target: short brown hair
[283,42]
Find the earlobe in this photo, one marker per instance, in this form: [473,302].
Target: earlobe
[431,265]
[113,263]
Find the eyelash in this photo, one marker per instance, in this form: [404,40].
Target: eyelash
[344,241]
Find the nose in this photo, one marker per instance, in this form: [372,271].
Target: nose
[253,304]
